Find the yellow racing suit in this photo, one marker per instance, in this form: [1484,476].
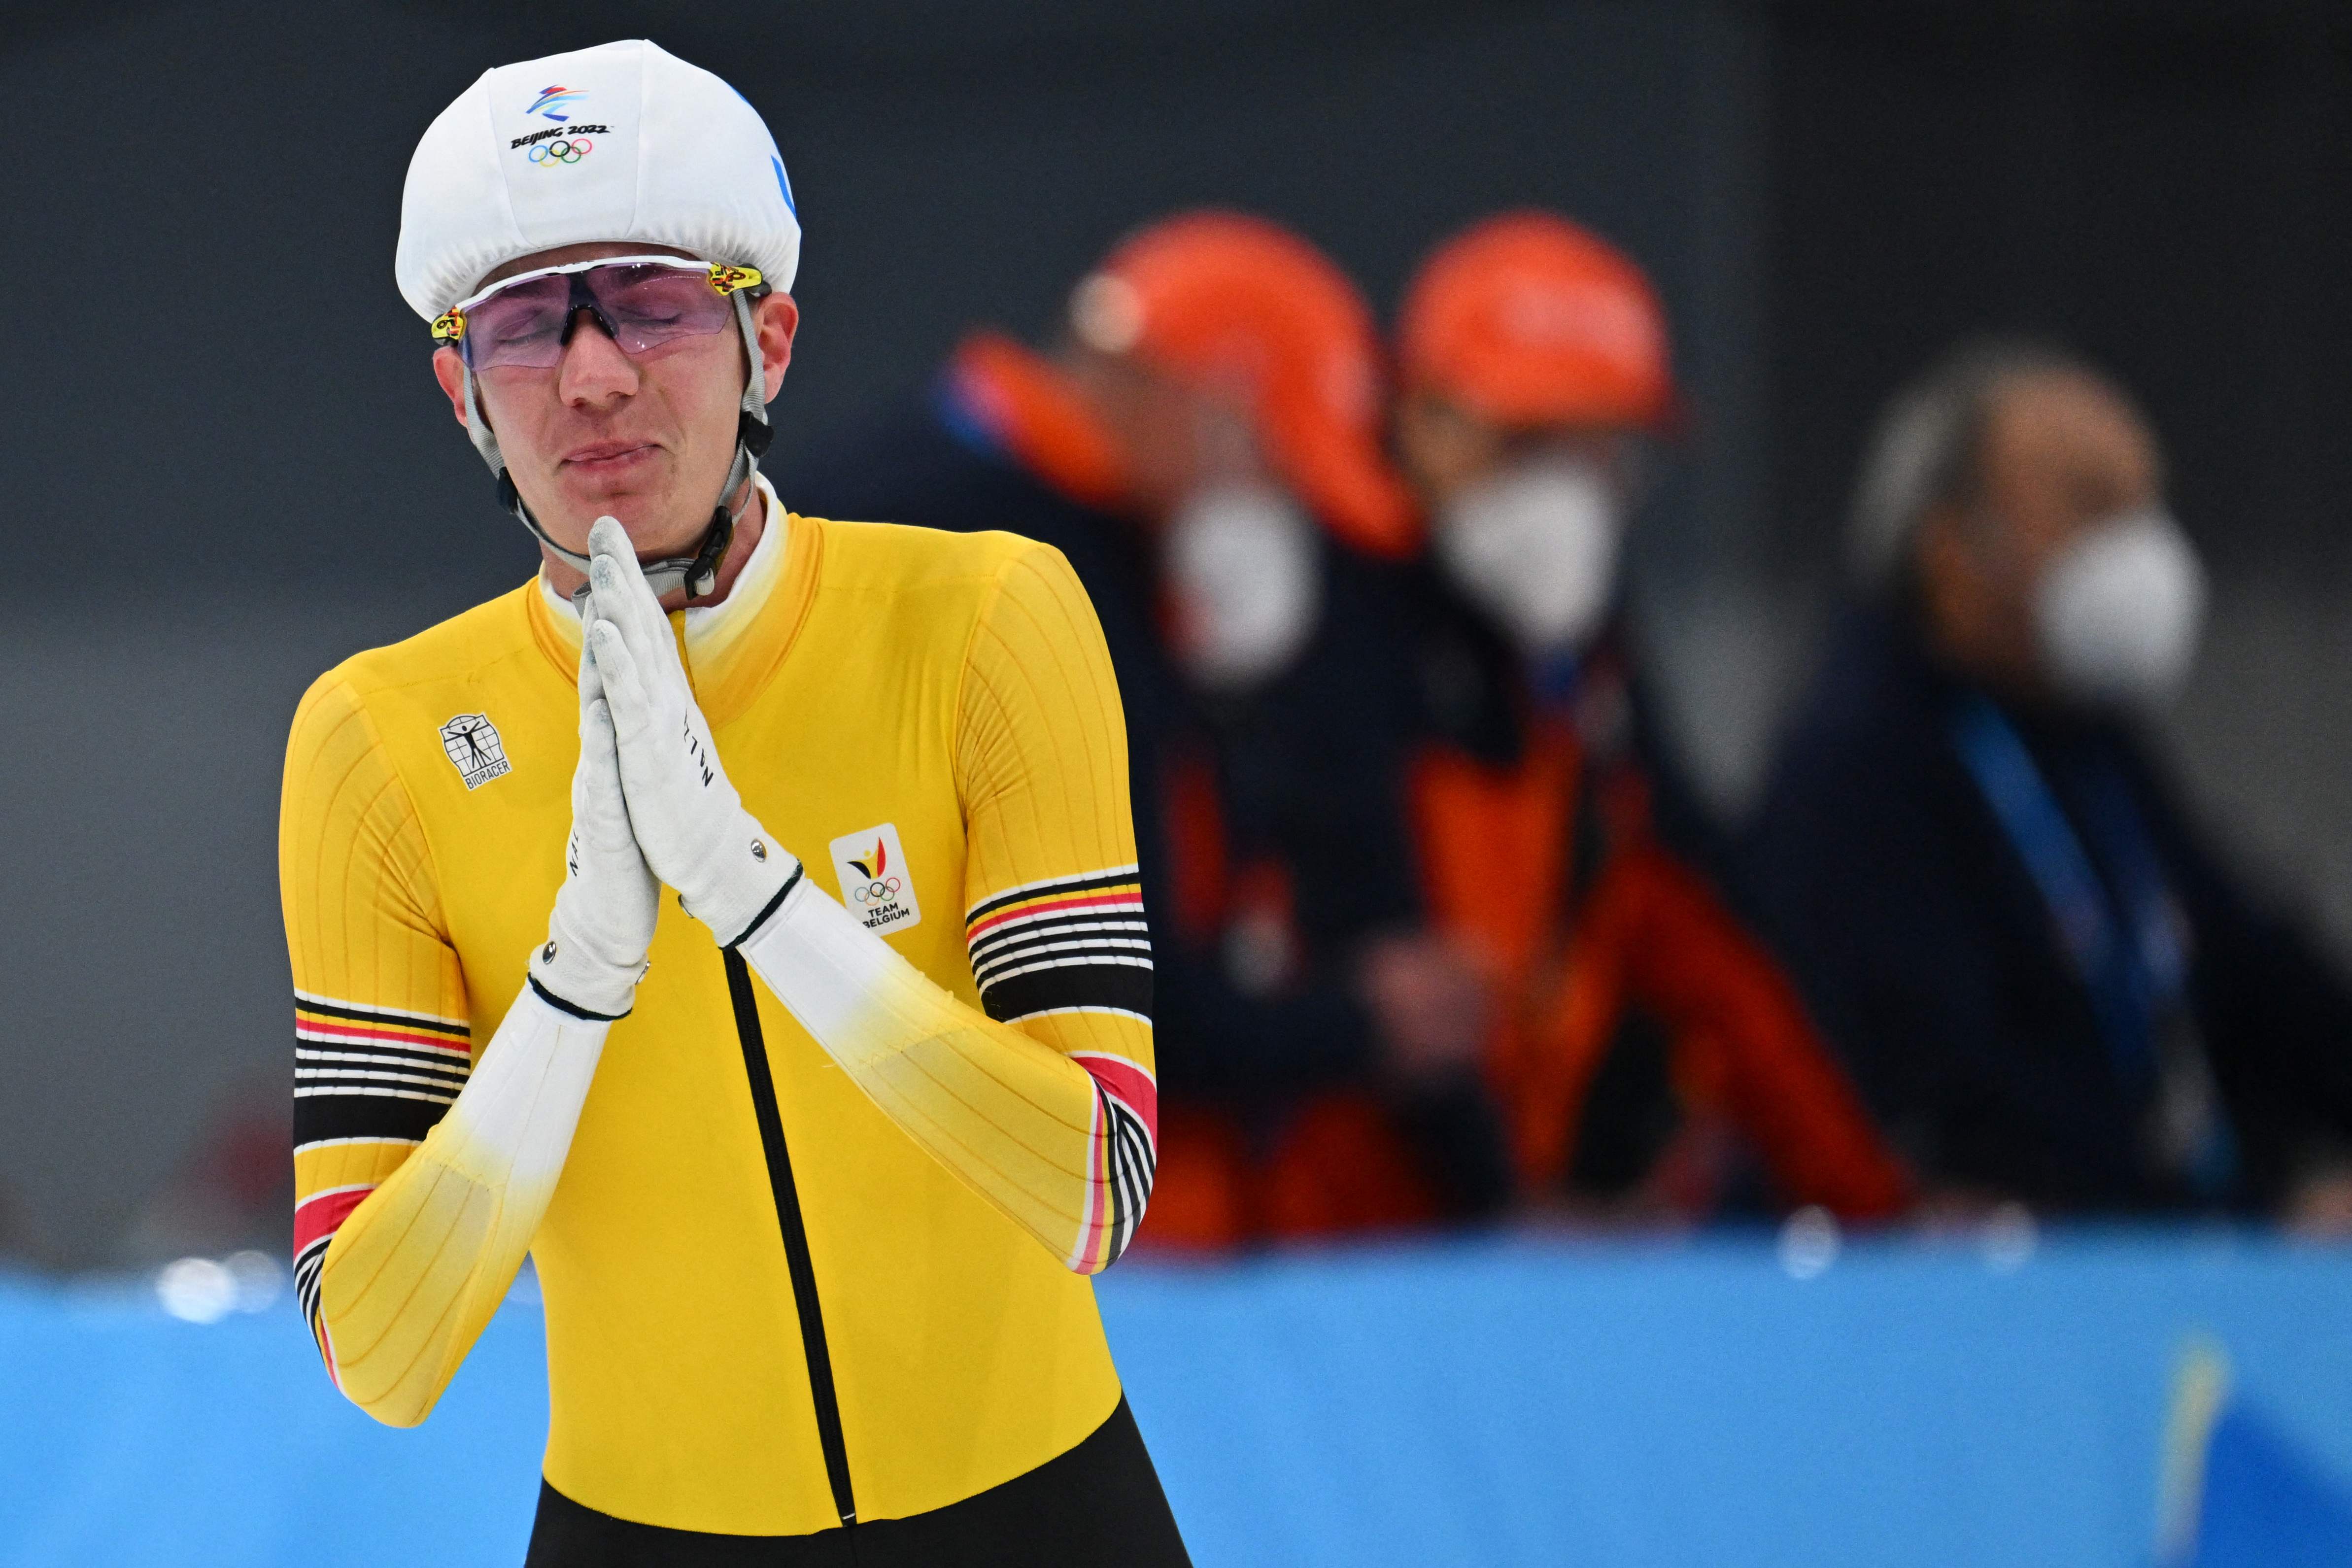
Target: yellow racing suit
[857,1310]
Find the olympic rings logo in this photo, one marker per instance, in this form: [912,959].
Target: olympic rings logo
[561,151]
[877,892]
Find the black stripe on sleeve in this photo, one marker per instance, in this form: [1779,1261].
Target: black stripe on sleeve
[1111,932]
[1132,1168]
[1134,953]
[1052,890]
[560,1005]
[770,907]
[307,1269]
[358,1064]
[320,1117]
[1125,986]
[384,1020]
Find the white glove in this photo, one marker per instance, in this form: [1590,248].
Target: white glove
[603,919]
[688,818]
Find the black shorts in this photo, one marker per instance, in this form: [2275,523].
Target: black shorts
[1098,1506]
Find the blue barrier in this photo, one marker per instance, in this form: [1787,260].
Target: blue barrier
[1490,1403]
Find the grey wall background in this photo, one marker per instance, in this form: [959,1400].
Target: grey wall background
[223,466]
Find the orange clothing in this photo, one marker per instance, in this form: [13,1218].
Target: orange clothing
[1642,931]
[1645,933]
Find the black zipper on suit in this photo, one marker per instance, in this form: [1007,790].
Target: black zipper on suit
[795,1232]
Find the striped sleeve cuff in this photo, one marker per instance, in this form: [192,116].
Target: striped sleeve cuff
[1123,1157]
[369,1083]
[362,1072]
[1073,944]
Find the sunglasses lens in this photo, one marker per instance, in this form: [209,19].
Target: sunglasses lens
[519,327]
[642,305]
[648,306]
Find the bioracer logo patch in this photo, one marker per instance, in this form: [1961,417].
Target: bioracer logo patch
[472,743]
[876,886]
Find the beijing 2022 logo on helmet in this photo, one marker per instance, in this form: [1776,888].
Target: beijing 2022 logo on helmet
[562,142]
[553,98]
[876,885]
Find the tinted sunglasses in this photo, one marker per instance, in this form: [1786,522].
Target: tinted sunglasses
[642,302]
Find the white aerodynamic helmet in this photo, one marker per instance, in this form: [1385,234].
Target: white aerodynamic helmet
[621,142]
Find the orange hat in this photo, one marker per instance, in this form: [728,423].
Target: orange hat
[1529,320]
[1220,300]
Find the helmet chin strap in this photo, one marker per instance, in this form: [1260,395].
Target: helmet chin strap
[698,574]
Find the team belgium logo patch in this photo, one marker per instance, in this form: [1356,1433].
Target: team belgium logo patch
[874,884]
[472,743]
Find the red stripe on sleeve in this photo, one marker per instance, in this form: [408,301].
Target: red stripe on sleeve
[309,1026]
[1055,906]
[1128,1084]
[324,1215]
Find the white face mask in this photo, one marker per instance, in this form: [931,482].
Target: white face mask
[1536,546]
[2118,613]
[1243,569]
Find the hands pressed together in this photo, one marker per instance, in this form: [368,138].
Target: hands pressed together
[650,803]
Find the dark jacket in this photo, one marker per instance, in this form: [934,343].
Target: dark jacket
[1643,1021]
[1925,939]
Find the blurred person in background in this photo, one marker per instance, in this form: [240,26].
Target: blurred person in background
[1203,444]
[2033,959]
[1653,1059]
